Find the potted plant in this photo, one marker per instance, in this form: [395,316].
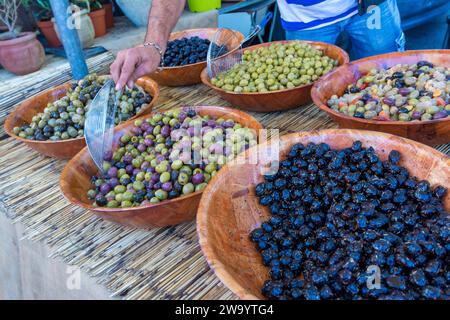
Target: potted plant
[20,52]
[97,14]
[109,15]
[42,12]
[83,24]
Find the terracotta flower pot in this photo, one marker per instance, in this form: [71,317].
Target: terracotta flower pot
[98,18]
[48,30]
[22,55]
[109,16]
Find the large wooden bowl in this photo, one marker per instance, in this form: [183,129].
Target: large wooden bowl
[190,74]
[276,100]
[229,209]
[64,149]
[429,132]
[75,182]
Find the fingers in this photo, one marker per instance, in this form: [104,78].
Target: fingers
[128,68]
[140,71]
[133,64]
[145,68]
[116,67]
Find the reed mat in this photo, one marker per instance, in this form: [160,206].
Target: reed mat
[163,263]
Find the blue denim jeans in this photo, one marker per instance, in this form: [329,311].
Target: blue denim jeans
[376,32]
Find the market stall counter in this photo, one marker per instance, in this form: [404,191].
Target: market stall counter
[58,239]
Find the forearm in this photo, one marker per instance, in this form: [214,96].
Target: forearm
[163,17]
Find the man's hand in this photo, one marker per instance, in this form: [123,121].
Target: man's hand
[132,64]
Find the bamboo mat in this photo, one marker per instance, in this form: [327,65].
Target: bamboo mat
[161,263]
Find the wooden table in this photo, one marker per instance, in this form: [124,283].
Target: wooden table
[125,263]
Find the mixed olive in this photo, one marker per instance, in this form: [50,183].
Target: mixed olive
[346,225]
[417,92]
[186,51]
[168,155]
[64,119]
[276,67]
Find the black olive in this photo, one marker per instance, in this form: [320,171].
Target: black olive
[333,216]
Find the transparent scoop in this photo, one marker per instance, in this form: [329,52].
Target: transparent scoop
[99,124]
[221,56]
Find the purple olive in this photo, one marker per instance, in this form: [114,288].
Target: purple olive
[404,91]
[136,171]
[127,158]
[167,186]
[145,165]
[145,126]
[129,169]
[440,115]
[215,148]
[181,116]
[150,130]
[389,101]
[113,182]
[105,188]
[141,147]
[198,178]
[165,131]
[112,172]
[136,131]
[108,156]
[228,124]
[155,177]
[191,131]
[212,123]
[416,115]
[157,185]
[148,142]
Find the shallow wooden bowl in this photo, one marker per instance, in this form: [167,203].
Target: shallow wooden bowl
[75,182]
[276,100]
[229,209]
[429,132]
[64,149]
[190,74]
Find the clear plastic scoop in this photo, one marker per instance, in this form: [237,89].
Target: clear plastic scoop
[99,124]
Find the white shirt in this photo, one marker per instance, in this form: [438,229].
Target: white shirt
[313,14]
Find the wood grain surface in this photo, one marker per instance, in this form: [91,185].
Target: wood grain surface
[229,209]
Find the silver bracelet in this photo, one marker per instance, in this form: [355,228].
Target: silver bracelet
[158,48]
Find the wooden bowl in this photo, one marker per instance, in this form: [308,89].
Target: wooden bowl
[429,132]
[229,209]
[75,182]
[64,149]
[276,100]
[190,74]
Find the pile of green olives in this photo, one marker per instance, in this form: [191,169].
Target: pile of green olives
[166,156]
[276,67]
[64,118]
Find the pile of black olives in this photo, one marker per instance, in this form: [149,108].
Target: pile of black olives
[184,51]
[64,119]
[338,216]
